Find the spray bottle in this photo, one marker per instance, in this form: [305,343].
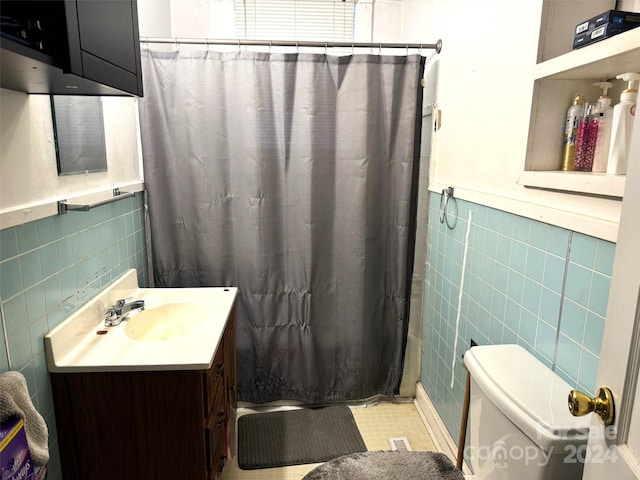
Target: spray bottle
[574,114]
[605,118]
[587,137]
[622,125]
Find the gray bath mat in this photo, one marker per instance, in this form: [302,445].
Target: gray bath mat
[386,465]
[296,437]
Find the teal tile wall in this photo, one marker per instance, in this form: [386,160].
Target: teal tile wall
[51,267]
[514,292]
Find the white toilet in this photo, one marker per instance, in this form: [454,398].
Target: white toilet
[520,427]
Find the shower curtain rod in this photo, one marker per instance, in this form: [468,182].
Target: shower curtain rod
[290,43]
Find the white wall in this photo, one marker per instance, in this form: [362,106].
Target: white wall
[628,5]
[29,181]
[186,19]
[154,18]
[483,87]
[215,18]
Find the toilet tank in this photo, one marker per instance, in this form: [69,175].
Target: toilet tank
[519,421]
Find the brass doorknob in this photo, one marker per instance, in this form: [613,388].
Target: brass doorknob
[602,404]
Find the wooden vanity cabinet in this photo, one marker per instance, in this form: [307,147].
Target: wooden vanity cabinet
[148,424]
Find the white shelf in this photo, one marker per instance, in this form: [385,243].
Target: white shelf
[604,59]
[555,82]
[579,182]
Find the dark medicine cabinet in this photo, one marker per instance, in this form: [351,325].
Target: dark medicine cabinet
[71,47]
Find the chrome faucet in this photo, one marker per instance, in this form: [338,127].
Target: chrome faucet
[118,312]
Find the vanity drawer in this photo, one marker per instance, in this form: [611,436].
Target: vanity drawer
[219,459]
[214,381]
[215,438]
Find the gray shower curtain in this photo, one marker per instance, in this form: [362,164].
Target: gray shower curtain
[293,177]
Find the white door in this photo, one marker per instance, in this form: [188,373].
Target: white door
[614,452]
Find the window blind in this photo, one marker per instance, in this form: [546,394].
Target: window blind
[317,20]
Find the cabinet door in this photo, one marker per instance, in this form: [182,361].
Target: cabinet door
[214,383]
[230,383]
[230,360]
[104,43]
[130,425]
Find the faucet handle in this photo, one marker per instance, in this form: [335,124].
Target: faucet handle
[111,318]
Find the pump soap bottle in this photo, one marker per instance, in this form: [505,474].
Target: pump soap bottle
[623,117]
[574,114]
[605,118]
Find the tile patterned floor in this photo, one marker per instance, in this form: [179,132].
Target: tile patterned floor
[377,423]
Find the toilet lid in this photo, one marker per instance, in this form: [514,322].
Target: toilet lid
[528,393]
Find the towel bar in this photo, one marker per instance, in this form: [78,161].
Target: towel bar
[64,207]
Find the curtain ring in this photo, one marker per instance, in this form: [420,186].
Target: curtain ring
[206,40]
[353,48]
[380,49]
[297,47]
[407,49]
[325,48]
[176,43]
[270,44]
[239,46]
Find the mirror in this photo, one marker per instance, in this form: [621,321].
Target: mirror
[78,130]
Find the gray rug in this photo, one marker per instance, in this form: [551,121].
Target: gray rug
[296,437]
[387,465]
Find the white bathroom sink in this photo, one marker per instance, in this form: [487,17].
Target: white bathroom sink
[167,321]
[179,329]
